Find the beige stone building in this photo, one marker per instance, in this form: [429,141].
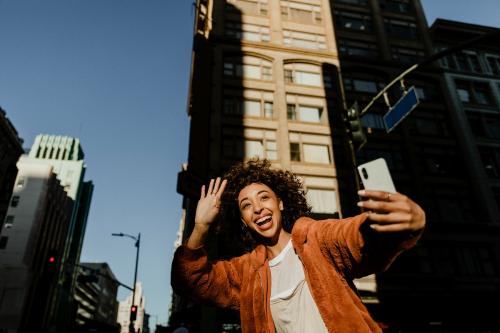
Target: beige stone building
[259,88]
[264,82]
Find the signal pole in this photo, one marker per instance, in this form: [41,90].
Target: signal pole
[133,307]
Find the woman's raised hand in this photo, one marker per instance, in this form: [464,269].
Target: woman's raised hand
[392,212]
[209,204]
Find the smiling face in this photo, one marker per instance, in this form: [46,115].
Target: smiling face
[260,209]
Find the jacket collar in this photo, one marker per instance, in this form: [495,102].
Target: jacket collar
[299,232]
[258,256]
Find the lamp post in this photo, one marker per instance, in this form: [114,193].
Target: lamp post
[137,245]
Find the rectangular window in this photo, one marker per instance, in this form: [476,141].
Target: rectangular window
[428,126]
[250,143]
[454,209]
[493,64]
[266,73]
[305,109]
[474,92]
[9,221]
[14,201]
[489,163]
[353,21]
[362,85]
[254,103]
[3,242]
[304,113]
[309,148]
[250,32]
[304,40]
[358,49]
[21,182]
[396,6]
[271,150]
[484,126]
[401,29]
[300,12]
[309,75]
[407,56]
[439,161]
[247,67]
[290,111]
[310,79]
[316,153]
[444,260]
[295,151]
[492,127]
[251,108]
[322,201]
[310,114]
[427,92]
[465,61]
[248,7]
[251,72]
[230,106]
[268,110]
[254,148]
[487,259]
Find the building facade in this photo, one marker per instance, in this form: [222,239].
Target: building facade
[10,150]
[66,157]
[472,76]
[95,294]
[33,238]
[432,159]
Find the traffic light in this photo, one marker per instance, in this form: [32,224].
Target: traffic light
[133,312]
[51,262]
[355,127]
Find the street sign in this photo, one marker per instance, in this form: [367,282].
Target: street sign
[401,109]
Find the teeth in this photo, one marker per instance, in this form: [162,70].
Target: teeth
[263,220]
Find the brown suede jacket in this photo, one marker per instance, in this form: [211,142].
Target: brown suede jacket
[333,253]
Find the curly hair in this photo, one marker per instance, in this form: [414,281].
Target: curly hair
[286,185]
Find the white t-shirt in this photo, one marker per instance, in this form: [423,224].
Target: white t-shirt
[292,306]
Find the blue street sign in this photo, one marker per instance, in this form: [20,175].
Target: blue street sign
[401,109]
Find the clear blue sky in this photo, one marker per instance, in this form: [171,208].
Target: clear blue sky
[115,74]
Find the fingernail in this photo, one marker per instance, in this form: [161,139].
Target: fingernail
[361,192]
[360,204]
[373,226]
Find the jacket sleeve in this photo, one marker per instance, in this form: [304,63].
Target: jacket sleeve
[357,250]
[217,283]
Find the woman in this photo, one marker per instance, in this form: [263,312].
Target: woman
[297,275]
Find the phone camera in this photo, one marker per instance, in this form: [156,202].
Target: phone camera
[365,174]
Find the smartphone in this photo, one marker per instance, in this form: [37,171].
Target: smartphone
[375,175]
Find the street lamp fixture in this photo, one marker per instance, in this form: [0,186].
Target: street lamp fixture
[133,307]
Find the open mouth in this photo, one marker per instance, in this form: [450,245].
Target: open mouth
[263,220]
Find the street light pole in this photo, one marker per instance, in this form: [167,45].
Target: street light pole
[137,245]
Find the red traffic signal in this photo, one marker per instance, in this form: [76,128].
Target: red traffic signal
[133,312]
[52,259]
